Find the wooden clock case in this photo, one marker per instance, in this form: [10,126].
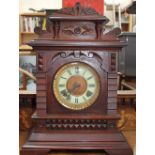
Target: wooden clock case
[76,35]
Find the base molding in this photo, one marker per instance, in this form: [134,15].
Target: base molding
[112,142]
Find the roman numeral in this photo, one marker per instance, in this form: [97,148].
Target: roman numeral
[76,100]
[77,69]
[90,78]
[61,85]
[91,85]
[89,93]
[64,92]
[63,78]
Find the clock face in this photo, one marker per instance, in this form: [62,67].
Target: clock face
[76,86]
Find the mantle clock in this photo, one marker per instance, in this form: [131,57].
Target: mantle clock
[76,85]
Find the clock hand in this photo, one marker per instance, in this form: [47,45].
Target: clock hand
[75,86]
[64,93]
[69,92]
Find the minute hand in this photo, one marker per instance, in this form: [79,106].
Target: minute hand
[75,86]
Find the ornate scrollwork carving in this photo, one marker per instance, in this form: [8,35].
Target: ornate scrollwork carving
[77,30]
[78,11]
[90,54]
[65,54]
[99,58]
[79,55]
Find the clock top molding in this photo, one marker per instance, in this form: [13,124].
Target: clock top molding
[77,27]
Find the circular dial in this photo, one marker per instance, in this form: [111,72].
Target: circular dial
[76,86]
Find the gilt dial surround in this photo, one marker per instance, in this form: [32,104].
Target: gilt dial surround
[76,86]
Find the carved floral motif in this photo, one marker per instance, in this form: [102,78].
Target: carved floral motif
[77,30]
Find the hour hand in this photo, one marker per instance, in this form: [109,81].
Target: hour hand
[75,86]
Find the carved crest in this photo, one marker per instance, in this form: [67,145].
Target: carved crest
[77,10]
[77,23]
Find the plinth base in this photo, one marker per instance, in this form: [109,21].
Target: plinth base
[112,142]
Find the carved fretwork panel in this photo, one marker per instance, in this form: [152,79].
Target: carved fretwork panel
[74,124]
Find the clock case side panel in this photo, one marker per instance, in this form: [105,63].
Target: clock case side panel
[112,84]
[63,57]
[41,97]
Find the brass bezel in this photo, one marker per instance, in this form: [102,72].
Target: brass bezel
[64,102]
